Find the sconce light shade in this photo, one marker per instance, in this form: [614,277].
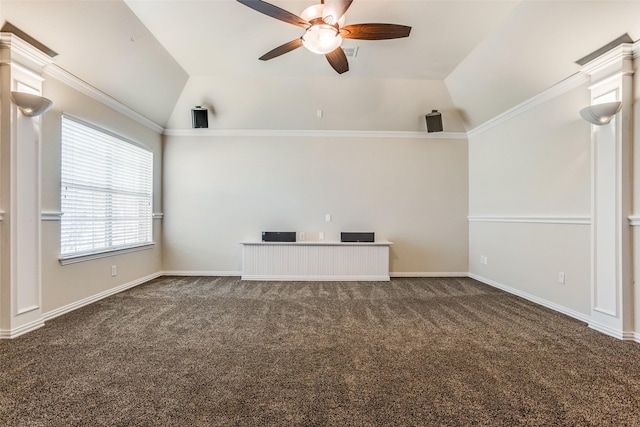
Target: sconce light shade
[31,105]
[600,114]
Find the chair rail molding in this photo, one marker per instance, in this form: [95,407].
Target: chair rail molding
[578,220]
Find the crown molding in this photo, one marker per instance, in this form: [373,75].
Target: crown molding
[25,51]
[315,133]
[613,58]
[69,79]
[554,91]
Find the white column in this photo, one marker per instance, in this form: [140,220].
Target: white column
[20,276]
[612,189]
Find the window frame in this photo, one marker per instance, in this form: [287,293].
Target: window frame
[79,256]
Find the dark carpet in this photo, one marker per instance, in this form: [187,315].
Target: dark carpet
[219,351]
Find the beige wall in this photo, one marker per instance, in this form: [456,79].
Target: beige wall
[535,165]
[220,191]
[63,285]
[287,102]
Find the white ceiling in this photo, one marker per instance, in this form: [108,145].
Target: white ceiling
[222,37]
[470,59]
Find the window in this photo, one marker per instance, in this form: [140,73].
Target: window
[106,191]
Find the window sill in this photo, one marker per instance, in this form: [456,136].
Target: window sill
[72,259]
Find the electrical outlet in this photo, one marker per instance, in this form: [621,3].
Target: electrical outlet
[302,235]
[483,260]
[561,277]
[114,271]
[327,217]
[321,235]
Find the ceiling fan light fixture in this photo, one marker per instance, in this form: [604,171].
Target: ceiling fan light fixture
[322,39]
[315,12]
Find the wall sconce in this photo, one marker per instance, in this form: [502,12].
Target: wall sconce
[601,114]
[31,105]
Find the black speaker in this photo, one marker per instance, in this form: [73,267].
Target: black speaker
[368,237]
[434,121]
[200,117]
[278,236]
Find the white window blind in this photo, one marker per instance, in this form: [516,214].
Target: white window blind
[106,191]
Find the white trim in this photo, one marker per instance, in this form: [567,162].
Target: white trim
[21,330]
[50,216]
[29,72]
[427,274]
[24,49]
[625,336]
[315,133]
[200,273]
[111,252]
[579,220]
[158,215]
[294,278]
[28,309]
[613,57]
[97,297]
[634,220]
[558,89]
[391,274]
[540,301]
[69,79]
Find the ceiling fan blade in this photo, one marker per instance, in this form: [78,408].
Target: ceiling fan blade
[374,31]
[275,12]
[334,9]
[338,60]
[281,50]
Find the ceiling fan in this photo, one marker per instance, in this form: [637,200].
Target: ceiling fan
[325,29]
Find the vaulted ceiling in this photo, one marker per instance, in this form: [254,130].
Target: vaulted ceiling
[470,59]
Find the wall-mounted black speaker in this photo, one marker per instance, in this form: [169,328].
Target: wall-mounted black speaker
[347,236]
[434,121]
[200,117]
[278,236]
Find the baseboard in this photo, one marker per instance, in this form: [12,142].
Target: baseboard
[200,273]
[621,335]
[428,274]
[21,330]
[286,278]
[540,301]
[97,297]
[239,274]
